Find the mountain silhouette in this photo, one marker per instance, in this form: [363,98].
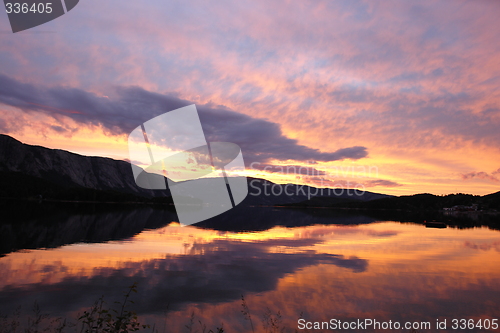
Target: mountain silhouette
[28,171]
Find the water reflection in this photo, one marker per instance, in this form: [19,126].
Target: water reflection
[383,270]
[73,226]
[50,227]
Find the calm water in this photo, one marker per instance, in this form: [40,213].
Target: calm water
[356,268]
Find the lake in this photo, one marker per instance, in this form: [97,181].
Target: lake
[315,266]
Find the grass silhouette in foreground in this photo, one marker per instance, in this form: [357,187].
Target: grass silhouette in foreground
[100,318]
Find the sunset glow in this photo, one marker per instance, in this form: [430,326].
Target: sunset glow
[412,89]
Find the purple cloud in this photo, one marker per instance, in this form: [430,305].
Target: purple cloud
[480,175]
[381,182]
[260,140]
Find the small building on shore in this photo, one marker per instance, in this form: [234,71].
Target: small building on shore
[463,208]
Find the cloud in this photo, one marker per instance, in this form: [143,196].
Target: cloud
[136,162]
[381,182]
[481,175]
[260,140]
[289,169]
[352,183]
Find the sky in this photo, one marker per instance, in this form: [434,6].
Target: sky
[395,97]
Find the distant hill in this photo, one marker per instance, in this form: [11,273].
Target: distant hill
[28,171]
[264,192]
[491,201]
[417,202]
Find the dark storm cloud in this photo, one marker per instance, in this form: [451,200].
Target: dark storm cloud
[260,140]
